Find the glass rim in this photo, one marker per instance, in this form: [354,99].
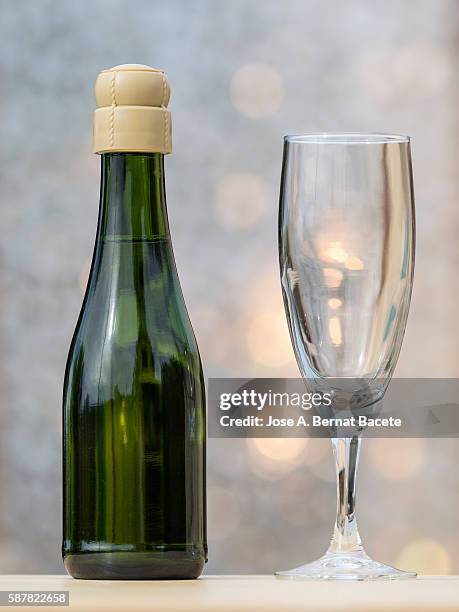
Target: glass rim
[346,138]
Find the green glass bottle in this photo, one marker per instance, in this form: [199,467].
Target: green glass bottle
[134,403]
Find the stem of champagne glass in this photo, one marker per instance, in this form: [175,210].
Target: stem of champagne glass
[346,537]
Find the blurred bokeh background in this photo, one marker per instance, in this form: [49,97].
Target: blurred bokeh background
[243,73]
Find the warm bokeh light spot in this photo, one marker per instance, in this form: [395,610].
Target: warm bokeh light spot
[334,252]
[334,329]
[416,69]
[272,458]
[425,556]
[268,339]
[265,291]
[354,263]
[397,458]
[333,278]
[241,200]
[279,449]
[335,303]
[257,90]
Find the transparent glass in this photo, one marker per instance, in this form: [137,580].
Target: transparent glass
[346,248]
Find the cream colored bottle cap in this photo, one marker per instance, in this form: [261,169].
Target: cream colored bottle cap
[131,112]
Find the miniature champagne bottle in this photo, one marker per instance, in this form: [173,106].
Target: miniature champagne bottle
[134,397]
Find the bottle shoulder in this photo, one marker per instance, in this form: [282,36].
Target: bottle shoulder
[133,289]
[134,319]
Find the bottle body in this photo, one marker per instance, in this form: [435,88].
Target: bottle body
[134,397]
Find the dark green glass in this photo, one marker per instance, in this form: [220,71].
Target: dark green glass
[134,398]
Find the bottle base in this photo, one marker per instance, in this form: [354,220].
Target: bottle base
[170,565]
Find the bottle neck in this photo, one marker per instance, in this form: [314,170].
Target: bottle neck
[133,198]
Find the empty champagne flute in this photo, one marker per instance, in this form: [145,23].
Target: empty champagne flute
[346,249]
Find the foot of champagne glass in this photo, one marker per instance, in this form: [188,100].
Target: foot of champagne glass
[345,559]
[345,566]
